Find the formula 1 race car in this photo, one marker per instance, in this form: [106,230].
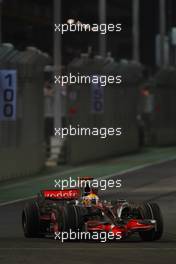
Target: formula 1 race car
[82,210]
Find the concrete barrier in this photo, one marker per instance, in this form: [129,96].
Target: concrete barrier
[118,109]
[164,125]
[21,136]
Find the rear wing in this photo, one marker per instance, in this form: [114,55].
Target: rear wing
[69,194]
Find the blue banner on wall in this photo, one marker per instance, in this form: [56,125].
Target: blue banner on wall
[97,98]
[8,86]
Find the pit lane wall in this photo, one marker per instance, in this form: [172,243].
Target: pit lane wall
[21,119]
[118,109]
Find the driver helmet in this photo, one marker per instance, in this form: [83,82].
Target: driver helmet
[91,199]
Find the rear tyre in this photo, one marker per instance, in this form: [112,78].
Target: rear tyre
[152,211]
[31,220]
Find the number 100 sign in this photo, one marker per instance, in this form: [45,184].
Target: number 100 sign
[8,85]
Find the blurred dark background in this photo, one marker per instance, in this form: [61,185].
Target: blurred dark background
[30,22]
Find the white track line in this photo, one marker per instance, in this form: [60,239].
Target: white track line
[100,178]
[136,168]
[16,201]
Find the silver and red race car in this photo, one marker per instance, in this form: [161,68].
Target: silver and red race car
[58,211]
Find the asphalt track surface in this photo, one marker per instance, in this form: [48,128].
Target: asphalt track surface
[156,183]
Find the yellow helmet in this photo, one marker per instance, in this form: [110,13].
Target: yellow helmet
[90,199]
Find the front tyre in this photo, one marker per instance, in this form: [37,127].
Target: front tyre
[152,211]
